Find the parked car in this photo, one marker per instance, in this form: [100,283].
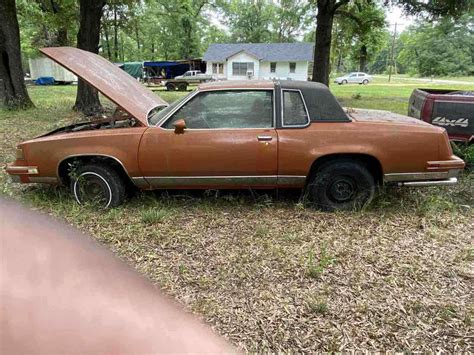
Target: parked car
[450,109]
[358,78]
[232,134]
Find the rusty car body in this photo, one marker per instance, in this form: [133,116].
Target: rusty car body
[232,134]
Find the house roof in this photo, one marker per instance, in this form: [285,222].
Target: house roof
[264,51]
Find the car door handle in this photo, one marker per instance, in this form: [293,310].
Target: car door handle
[264,138]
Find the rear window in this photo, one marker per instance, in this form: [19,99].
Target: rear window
[294,111]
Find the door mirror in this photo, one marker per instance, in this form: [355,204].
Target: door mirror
[179,126]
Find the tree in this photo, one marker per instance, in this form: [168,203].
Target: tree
[326,10]
[12,84]
[87,99]
[364,23]
[322,48]
[249,21]
[444,47]
[434,8]
[290,17]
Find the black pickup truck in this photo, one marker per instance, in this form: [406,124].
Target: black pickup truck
[450,109]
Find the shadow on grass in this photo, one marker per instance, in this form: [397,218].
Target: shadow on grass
[420,201]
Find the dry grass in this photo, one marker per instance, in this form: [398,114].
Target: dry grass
[272,275]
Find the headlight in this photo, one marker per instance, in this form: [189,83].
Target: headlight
[19,154]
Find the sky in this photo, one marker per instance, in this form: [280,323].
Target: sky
[395,15]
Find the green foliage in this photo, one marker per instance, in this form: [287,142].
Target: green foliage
[440,48]
[316,265]
[317,305]
[154,215]
[360,32]
[464,151]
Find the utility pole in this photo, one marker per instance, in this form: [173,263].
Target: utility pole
[392,54]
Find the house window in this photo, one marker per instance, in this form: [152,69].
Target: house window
[273,67]
[241,68]
[292,67]
[217,68]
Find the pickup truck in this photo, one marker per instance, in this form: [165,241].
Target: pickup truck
[181,82]
[450,109]
[252,134]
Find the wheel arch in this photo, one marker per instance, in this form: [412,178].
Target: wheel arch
[113,162]
[372,163]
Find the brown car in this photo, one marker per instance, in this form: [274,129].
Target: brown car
[232,134]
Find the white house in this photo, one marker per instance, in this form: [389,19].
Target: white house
[238,61]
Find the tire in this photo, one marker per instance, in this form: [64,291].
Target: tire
[170,87]
[365,82]
[182,87]
[344,82]
[345,185]
[99,185]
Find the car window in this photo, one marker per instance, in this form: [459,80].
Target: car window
[227,109]
[352,75]
[294,109]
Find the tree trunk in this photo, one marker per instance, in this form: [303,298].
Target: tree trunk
[107,41]
[115,34]
[363,58]
[137,36]
[87,99]
[12,80]
[322,48]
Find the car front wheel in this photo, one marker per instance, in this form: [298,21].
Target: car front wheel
[365,82]
[97,185]
[341,185]
[344,82]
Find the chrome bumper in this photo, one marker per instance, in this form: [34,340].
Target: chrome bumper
[424,179]
[450,181]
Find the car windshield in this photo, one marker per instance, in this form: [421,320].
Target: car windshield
[159,112]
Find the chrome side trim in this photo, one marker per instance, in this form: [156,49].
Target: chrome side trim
[170,181]
[259,180]
[44,179]
[283,125]
[450,181]
[140,182]
[291,180]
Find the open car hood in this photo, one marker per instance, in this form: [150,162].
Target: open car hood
[109,79]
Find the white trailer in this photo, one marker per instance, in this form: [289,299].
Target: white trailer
[43,66]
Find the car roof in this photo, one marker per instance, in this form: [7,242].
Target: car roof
[237,84]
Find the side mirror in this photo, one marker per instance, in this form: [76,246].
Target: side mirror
[179,126]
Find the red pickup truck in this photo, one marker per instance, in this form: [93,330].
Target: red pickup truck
[450,109]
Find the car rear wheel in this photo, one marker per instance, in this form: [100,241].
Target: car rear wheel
[182,87]
[341,185]
[97,185]
[170,87]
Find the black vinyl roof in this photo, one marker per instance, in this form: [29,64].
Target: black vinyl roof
[321,103]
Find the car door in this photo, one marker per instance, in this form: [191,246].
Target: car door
[352,78]
[229,141]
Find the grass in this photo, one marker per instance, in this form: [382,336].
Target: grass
[154,215]
[379,95]
[244,261]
